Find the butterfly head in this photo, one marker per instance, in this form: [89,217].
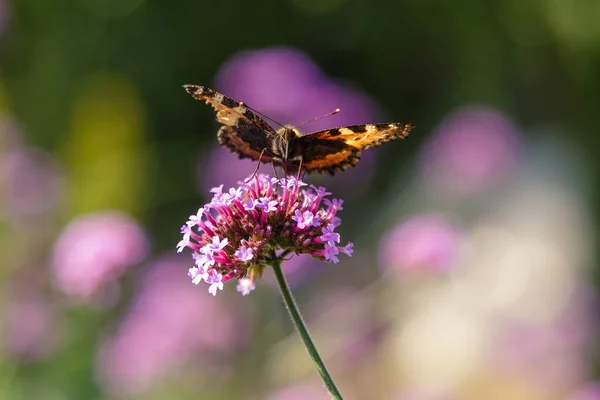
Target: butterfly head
[286,145]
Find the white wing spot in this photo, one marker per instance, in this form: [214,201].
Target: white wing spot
[240,108]
[219,98]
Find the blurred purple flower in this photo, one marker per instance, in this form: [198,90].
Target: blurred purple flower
[33,182]
[168,326]
[96,249]
[286,85]
[231,240]
[471,150]
[589,391]
[301,391]
[424,242]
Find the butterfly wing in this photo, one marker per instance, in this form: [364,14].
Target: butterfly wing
[243,132]
[336,149]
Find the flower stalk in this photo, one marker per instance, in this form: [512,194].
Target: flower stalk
[291,306]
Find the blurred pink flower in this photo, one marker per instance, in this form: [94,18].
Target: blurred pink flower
[32,182]
[589,391]
[424,242]
[169,324]
[96,249]
[471,150]
[301,391]
[29,322]
[285,84]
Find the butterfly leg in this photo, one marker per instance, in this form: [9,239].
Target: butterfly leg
[299,169]
[274,169]
[257,167]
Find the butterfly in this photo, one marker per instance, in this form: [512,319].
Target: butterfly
[330,151]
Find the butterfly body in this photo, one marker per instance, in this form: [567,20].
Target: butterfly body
[331,150]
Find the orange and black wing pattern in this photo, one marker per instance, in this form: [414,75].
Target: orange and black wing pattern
[243,132]
[336,149]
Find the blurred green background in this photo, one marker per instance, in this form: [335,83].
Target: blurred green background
[476,256]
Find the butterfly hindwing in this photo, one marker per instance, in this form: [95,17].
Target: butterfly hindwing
[246,142]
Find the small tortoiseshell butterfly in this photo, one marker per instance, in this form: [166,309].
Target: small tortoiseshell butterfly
[331,150]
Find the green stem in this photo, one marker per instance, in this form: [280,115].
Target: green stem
[294,312]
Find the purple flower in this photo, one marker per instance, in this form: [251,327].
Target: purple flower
[244,253]
[331,253]
[215,280]
[231,241]
[187,231]
[194,219]
[216,245]
[347,249]
[217,189]
[267,204]
[96,249]
[425,242]
[250,204]
[320,191]
[329,235]
[305,219]
[197,274]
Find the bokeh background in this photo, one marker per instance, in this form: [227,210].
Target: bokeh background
[476,252]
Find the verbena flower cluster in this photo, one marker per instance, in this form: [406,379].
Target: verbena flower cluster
[249,227]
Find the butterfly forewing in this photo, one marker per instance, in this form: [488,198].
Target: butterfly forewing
[243,132]
[336,149]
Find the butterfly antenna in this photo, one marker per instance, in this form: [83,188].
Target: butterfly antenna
[337,110]
[261,114]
